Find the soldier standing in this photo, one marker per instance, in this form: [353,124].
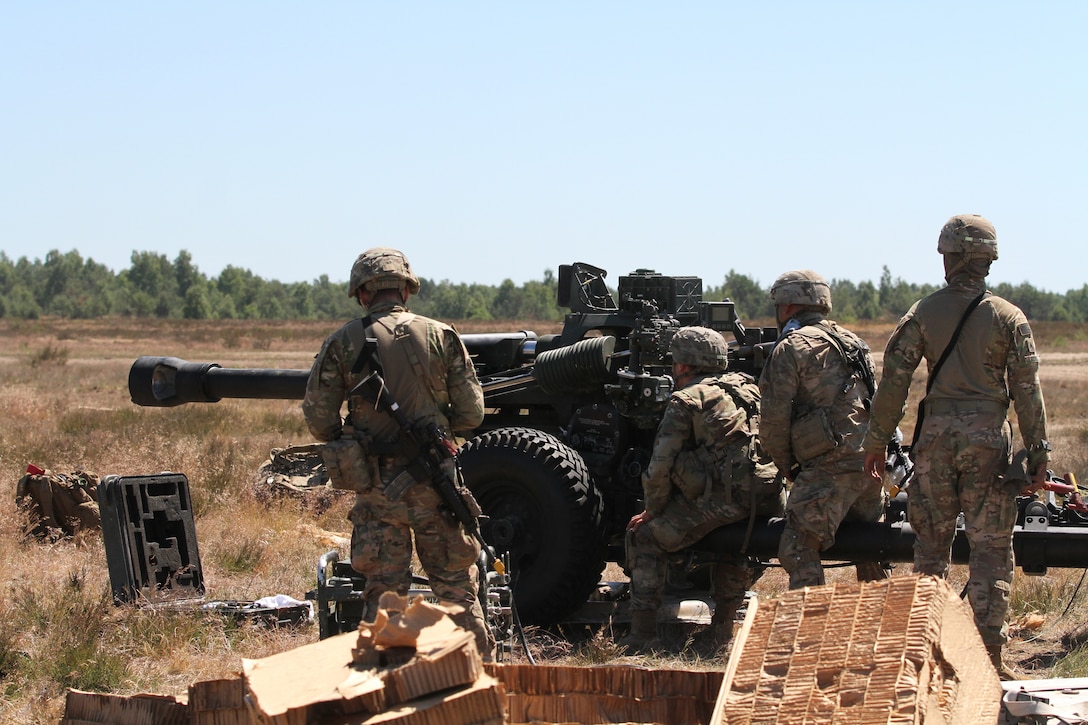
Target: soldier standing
[963,437]
[430,375]
[815,412]
[706,470]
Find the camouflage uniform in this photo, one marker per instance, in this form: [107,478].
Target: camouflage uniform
[706,470]
[429,373]
[808,391]
[963,446]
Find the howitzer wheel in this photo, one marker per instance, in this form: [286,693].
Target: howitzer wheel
[545,511]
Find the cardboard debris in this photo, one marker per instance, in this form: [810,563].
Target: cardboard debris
[95,708]
[424,628]
[219,702]
[412,658]
[902,650]
[609,694]
[480,703]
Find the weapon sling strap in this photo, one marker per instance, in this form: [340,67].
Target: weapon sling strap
[853,363]
[921,416]
[357,332]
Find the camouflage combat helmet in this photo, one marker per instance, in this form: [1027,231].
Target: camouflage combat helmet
[970,235]
[802,287]
[381,268]
[699,346]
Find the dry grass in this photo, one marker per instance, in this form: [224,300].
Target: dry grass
[64,399]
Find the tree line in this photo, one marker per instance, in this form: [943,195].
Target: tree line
[66,285]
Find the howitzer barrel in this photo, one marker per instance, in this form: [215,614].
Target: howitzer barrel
[164,382]
[1035,549]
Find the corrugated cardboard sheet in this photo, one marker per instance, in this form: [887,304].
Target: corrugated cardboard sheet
[95,708]
[219,702]
[412,665]
[609,694]
[903,650]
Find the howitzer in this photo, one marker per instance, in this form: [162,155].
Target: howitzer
[570,421]
[436,461]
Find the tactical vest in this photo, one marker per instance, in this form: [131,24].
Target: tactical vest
[722,452]
[416,384]
[818,430]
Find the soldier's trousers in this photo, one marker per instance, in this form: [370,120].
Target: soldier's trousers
[959,461]
[818,502]
[682,524]
[381,549]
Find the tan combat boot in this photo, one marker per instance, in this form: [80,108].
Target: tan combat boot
[1003,670]
[711,641]
[471,619]
[643,638]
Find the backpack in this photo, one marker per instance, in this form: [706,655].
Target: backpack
[58,505]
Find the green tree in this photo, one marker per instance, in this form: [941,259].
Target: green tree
[153,277]
[896,297]
[186,273]
[240,285]
[73,288]
[197,305]
[749,297]
[507,304]
[20,304]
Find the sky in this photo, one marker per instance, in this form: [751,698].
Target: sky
[493,141]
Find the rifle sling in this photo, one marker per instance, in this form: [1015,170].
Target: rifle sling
[357,332]
[855,363]
[921,416]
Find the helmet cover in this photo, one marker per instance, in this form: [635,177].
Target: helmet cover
[802,287]
[381,268]
[970,235]
[701,347]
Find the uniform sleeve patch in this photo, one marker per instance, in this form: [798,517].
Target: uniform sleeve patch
[1027,342]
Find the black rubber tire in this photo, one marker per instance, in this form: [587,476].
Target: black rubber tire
[545,511]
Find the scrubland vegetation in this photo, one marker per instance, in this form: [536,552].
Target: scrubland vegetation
[66,285]
[65,406]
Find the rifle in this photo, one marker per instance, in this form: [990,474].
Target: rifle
[437,453]
[899,464]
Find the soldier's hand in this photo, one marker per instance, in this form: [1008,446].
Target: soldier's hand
[875,464]
[638,520]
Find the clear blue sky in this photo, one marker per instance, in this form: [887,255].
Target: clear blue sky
[496,140]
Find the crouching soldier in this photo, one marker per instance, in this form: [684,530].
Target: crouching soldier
[706,470]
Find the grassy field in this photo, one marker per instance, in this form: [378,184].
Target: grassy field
[65,406]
